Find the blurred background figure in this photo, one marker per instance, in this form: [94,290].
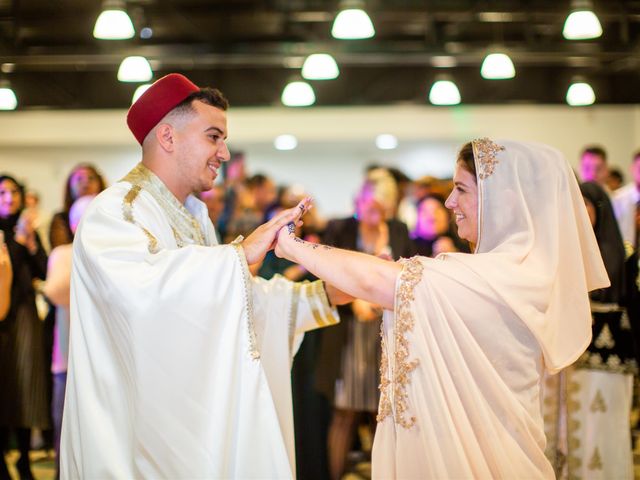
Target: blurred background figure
[615,180]
[40,220]
[264,193]
[626,204]
[310,413]
[434,232]
[349,352]
[84,179]
[589,429]
[593,165]
[235,175]
[57,290]
[24,401]
[6,278]
[214,199]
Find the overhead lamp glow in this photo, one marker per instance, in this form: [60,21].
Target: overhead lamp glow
[386,141]
[582,23]
[139,91]
[285,142]
[444,92]
[320,66]
[8,100]
[135,69]
[580,94]
[352,24]
[497,66]
[298,94]
[113,23]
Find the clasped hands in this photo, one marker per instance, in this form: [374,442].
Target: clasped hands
[267,235]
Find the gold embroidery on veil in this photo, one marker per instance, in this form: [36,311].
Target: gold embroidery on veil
[485,151]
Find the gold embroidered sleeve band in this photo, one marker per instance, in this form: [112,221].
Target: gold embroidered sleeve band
[396,377]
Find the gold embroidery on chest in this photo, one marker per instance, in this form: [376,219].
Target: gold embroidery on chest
[127,212]
[394,397]
[485,152]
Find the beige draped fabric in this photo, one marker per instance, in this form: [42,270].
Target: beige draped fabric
[470,335]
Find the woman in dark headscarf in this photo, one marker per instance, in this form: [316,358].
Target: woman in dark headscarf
[23,364]
[598,387]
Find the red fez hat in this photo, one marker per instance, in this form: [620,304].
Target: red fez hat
[159,99]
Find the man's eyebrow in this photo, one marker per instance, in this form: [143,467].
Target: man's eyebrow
[215,128]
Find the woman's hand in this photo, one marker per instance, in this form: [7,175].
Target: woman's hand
[263,238]
[25,233]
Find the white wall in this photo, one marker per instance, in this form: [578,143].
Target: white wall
[335,143]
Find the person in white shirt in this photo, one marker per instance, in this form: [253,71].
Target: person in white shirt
[626,202]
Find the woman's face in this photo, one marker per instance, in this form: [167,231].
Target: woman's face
[463,201]
[433,219]
[84,182]
[10,199]
[369,210]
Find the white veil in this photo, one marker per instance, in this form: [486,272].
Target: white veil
[536,247]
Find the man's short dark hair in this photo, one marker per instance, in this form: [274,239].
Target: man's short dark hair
[210,96]
[596,150]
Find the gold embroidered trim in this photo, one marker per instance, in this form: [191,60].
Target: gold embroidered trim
[186,228]
[394,398]
[574,462]
[485,153]
[127,212]
[251,330]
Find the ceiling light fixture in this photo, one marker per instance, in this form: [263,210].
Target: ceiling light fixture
[444,92]
[580,94]
[582,23]
[139,91]
[113,23]
[497,66]
[320,66]
[298,94]
[8,100]
[352,22]
[386,141]
[285,142]
[135,69]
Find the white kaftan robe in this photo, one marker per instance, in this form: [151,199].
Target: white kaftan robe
[179,360]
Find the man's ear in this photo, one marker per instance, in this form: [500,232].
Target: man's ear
[165,135]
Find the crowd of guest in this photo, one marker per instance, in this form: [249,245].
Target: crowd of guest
[335,373]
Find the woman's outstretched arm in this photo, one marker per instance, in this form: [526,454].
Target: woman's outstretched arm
[358,274]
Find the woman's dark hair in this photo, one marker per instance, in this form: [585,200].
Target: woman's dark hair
[68,194]
[465,157]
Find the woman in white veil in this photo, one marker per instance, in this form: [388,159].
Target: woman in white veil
[466,337]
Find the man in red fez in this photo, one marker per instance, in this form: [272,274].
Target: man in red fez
[179,362]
